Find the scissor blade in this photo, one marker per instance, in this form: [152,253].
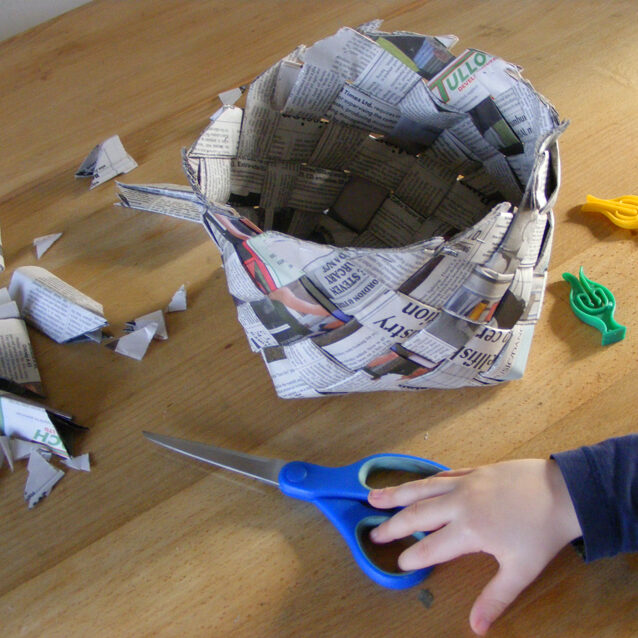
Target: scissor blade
[257,467]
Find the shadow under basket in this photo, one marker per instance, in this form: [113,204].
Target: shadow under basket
[383,209]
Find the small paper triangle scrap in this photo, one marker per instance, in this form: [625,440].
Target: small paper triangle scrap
[134,344]
[42,244]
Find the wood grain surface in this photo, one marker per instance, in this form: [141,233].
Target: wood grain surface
[151,544]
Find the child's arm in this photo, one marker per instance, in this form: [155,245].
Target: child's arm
[602,481]
[518,511]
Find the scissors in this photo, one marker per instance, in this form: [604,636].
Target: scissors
[341,493]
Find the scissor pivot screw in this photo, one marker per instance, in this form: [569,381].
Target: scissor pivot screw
[296,472]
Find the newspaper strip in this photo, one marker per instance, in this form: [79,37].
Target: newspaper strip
[221,138]
[314,366]
[17,360]
[354,345]
[288,384]
[168,199]
[505,110]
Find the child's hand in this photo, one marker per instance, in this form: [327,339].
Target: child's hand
[518,511]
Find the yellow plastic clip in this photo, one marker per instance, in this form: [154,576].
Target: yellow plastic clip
[622,211]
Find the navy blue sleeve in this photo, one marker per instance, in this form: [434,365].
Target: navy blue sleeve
[602,481]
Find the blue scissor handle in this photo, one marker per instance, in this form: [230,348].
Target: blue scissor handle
[353,519]
[341,493]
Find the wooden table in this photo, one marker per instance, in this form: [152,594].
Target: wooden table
[149,543]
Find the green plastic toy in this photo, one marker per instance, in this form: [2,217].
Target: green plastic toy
[594,304]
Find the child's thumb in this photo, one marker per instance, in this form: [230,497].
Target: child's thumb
[496,596]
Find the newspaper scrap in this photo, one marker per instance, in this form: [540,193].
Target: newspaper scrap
[42,244]
[21,449]
[168,199]
[17,360]
[42,439]
[54,307]
[178,300]
[106,161]
[42,474]
[42,478]
[1,254]
[32,421]
[81,463]
[221,137]
[18,368]
[155,317]
[9,310]
[228,98]
[134,344]
[97,336]
[35,432]
[7,453]
[383,209]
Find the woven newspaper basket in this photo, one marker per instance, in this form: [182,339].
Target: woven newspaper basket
[383,211]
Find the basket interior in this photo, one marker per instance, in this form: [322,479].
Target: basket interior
[373,159]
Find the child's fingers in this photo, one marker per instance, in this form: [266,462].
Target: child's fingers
[437,547]
[409,493]
[496,596]
[422,516]
[461,471]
